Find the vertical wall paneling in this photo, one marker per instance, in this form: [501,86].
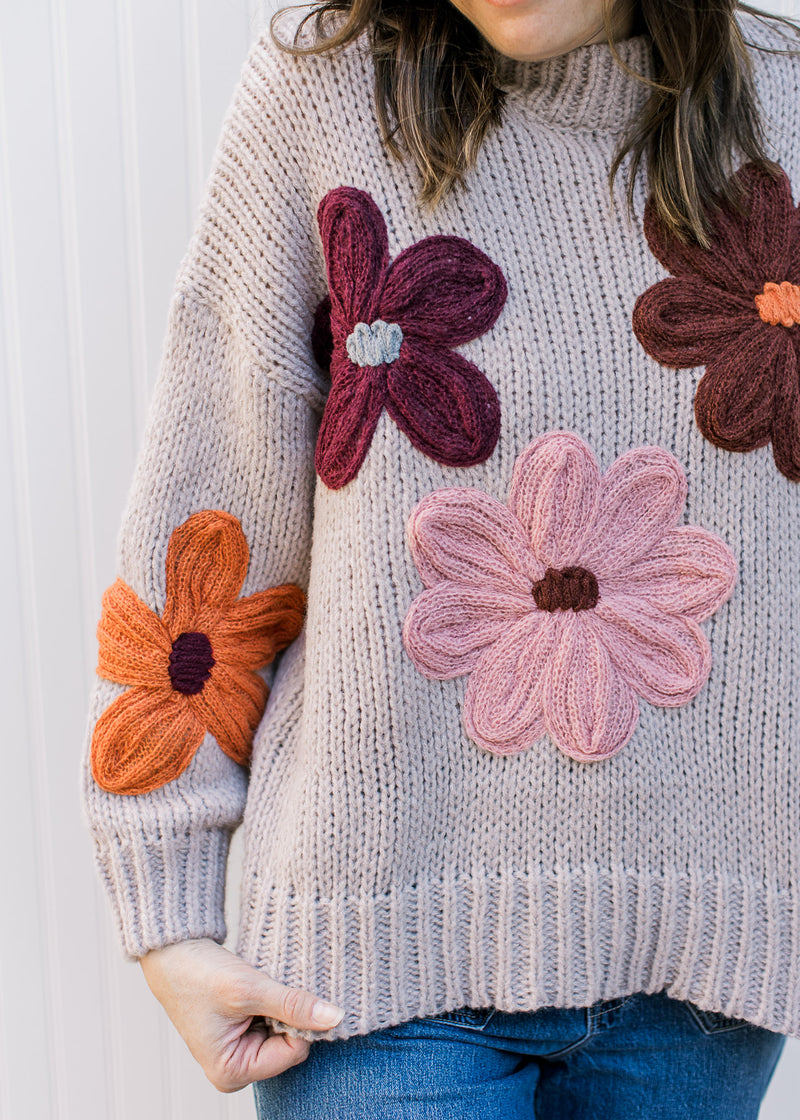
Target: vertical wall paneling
[74,1076]
[193,99]
[45,512]
[133,346]
[222,42]
[110,112]
[23,999]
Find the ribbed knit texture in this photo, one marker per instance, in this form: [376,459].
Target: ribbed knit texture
[394,865]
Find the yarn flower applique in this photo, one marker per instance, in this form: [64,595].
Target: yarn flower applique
[568,603]
[735,309]
[385,333]
[192,670]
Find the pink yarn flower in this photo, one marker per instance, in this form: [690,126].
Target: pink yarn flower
[385,334]
[564,606]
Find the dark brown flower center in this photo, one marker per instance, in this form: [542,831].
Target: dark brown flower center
[190,663]
[566,589]
[779,304]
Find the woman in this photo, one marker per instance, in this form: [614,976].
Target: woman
[509,470]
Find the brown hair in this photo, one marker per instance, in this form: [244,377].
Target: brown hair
[436,84]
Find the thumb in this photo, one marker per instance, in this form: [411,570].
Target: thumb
[294,1006]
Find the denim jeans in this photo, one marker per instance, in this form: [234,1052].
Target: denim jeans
[639,1057]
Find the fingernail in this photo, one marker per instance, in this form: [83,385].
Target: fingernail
[326,1014]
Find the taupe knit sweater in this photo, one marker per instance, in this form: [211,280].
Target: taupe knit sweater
[538,741]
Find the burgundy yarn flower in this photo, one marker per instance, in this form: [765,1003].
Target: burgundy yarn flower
[736,310]
[565,605]
[385,332]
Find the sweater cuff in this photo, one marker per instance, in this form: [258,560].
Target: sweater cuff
[166,889]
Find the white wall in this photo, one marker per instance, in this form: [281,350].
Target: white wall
[109,114]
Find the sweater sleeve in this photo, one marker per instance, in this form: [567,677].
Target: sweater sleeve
[213,550]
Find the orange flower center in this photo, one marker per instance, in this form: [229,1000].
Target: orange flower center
[566,589]
[190,663]
[779,304]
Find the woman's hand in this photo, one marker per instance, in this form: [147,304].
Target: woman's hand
[217,1002]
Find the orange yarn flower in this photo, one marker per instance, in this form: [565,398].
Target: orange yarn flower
[192,670]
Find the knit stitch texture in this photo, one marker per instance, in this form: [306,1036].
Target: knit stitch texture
[394,864]
[437,294]
[566,605]
[192,670]
[736,309]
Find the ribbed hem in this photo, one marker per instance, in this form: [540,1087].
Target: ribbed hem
[518,942]
[167,889]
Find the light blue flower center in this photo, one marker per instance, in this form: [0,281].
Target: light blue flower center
[373,344]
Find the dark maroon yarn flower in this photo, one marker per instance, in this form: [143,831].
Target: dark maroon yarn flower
[385,333]
[735,308]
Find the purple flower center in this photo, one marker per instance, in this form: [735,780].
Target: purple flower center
[190,663]
[566,589]
[374,344]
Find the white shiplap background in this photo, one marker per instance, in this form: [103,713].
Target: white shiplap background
[110,111]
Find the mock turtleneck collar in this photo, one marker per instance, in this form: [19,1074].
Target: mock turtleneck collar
[584,88]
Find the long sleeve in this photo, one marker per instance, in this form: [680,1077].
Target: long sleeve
[218,517]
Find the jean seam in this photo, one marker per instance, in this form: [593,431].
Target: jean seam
[461,1026]
[588,1032]
[696,1014]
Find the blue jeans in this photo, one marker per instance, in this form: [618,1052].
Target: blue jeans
[638,1057]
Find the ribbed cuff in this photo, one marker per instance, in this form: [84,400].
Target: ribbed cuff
[166,889]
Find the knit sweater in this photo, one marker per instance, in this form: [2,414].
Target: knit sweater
[499,505]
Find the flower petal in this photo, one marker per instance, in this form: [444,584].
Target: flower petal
[144,739]
[449,626]
[444,291]
[642,495]
[589,710]
[793,269]
[727,264]
[351,415]
[665,658]
[747,250]
[134,644]
[256,628]
[502,706]
[207,559]
[230,707]
[444,404]
[768,227]
[688,572]
[356,247]
[734,401]
[682,322]
[786,422]
[469,537]
[554,493]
